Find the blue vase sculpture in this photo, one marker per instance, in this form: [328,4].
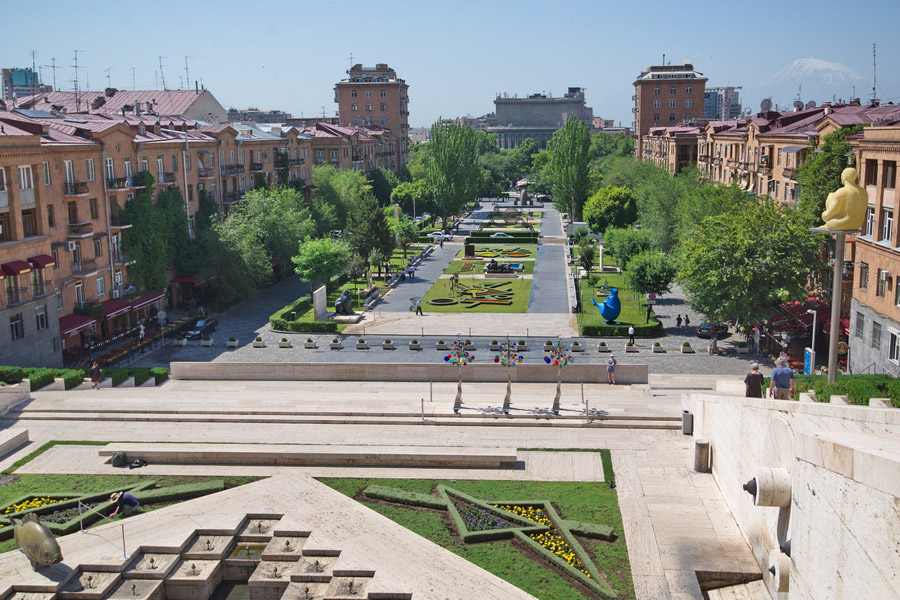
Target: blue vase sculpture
[611,307]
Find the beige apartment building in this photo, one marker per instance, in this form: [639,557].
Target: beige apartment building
[665,96]
[671,148]
[374,97]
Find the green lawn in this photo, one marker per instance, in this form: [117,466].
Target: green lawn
[633,310]
[520,288]
[478,266]
[582,501]
[501,252]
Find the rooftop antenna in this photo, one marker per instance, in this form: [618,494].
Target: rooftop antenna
[187,73]
[162,74]
[54,67]
[874,72]
[323,112]
[664,58]
[133,86]
[33,92]
[156,78]
[108,80]
[351,60]
[77,90]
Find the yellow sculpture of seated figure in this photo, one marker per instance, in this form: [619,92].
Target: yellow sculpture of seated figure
[845,208]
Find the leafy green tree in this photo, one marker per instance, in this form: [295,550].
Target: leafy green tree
[821,174]
[587,252]
[368,228]
[698,201]
[454,173]
[610,207]
[626,243]
[407,233]
[376,259]
[233,253]
[284,170]
[207,211]
[608,146]
[568,169]
[278,218]
[383,181]
[173,214]
[145,240]
[260,182]
[413,197]
[520,157]
[320,259]
[650,272]
[738,265]
[340,191]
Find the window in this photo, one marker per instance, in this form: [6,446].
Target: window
[672,90]
[90,169]
[860,325]
[384,120]
[863,276]
[110,169]
[266,154]
[101,285]
[334,156]
[671,118]
[98,248]
[656,91]
[353,93]
[187,161]
[320,156]
[656,118]
[55,259]
[870,221]
[16,327]
[688,103]
[672,103]
[656,104]
[777,189]
[368,93]
[688,90]
[94,212]
[894,348]
[871,172]
[190,191]
[384,93]
[160,166]
[887,224]
[368,108]
[876,335]
[383,107]
[174,163]
[5,231]
[2,179]
[355,121]
[881,284]
[79,293]
[50,220]
[73,212]
[40,317]
[146,167]
[46,173]
[29,222]
[58,299]
[353,107]
[890,174]
[26,180]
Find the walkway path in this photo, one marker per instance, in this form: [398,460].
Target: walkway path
[403,297]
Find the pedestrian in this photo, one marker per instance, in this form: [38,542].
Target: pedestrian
[678,323]
[419,307]
[125,502]
[442,242]
[631,334]
[649,310]
[753,382]
[783,384]
[410,271]
[95,375]
[611,370]
[687,321]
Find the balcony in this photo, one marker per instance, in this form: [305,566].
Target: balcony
[166,178]
[118,183]
[764,170]
[232,197]
[206,173]
[256,167]
[296,162]
[18,295]
[281,163]
[81,230]
[40,289]
[232,169]
[731,163]
[703,158]
[788,173]
[76,188]
[84,268]
[26,197]
[118,221]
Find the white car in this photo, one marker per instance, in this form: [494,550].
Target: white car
[440,235]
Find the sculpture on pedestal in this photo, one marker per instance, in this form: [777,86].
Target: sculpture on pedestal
[845,208]
[344,304]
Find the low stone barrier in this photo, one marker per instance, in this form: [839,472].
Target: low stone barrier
[523,373]
[10,442]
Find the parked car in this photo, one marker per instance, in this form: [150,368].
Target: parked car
[501,234]
[706,329]
[203,327]
[440,235]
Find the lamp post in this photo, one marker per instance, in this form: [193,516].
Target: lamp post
[812,361]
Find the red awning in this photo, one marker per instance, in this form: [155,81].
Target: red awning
[845,326]
[16,267]
[114,308]
[74,323]
[42,261]
[147,298]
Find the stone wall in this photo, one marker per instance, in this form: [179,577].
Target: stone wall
[523,373]
[828,511]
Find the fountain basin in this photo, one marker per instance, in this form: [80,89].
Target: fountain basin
[144,589]
[89,585]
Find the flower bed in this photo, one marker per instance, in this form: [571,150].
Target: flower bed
[32,503]
[67,514]
[551,539]
[478,519]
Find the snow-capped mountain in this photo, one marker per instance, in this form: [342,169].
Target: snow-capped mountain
[815,71]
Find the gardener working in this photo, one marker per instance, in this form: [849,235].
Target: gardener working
[125,502]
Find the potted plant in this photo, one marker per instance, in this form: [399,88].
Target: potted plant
[743,348]
[602,347]
[206,341]
[415,345]
[657,347]
[495,346]
[576,347]
[259,343]
[387,345]
[686,348]
[180,341]
[441,345]
[548,345]
[335,344]
[232,342]
[469,345]
[309,343]
[361,344]
[284,343]
[521,345]
[630,347]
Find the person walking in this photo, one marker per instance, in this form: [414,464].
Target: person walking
[611,370]
[95,375]
[631,334]
[442,242]
[687,321]
[419,307]
[783,384]
[678,323]
[753,382]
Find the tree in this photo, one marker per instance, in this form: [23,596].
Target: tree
[568,169]
[821,174]
[414,197]
[320,259]
[738,265]
[454,173]
[383,182]
[407,233]
[279,220]
[367,227]
[376,259]
[340,191]
[650,272]
[610,207]
[586,254]
[626,243]
[145,240]
[174,219]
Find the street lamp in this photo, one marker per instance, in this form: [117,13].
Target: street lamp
[813,357]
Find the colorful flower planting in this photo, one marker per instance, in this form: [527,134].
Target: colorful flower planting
[479,519]
[67,514]
[552,539]
[36,502]
[467,267]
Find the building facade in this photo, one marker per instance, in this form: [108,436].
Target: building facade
[665,96]
[374,97]
[722,103]
[17,83]
[254,115]
[536,116]
[671,148]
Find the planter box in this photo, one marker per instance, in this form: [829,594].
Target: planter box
[548,348]
[631,349]
[687,350]
[659,349]
[386,346]
[521,346]
[206,343]
[495,347]
[310,345]
[745,350]
[284,344]
[413,346]
[440,346]
[603,349]
[259,344]
[578,348]
[334,345]
[180,342]
[232,343]
[362,346]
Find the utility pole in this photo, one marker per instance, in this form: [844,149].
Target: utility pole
[108,80]
[54,67]
[133,86]
[187,74]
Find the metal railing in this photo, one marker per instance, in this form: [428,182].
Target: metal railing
[84,267]
[76,188]
[17,295]
[255,167]
[81,229]
[118,183]
[165,178]
[206,173]
[41,288]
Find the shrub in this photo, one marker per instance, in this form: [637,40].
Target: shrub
[630,344]
[387,341]
[657,344]
[160,374]
[231,339]
[140,376]
[620,330]
[602,343]
[521,342]
[575,344]
[279,324]
[389,494]
[206,338]
[468,342]
[494,342]
[415,341]
[742,344]
[360,341]
[283,340]
[258,339]
[180,337]
[39,377]
[686,345]
[548,343]
[313,326]
[440,341]
[11,374]
[309,340]
[115,374]
[334,340]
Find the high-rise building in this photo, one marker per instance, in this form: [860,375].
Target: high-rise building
[665,95]
[15,83]
[374,97]
[536,116]
[258,116]
[722,103]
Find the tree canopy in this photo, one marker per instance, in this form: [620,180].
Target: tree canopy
[454,173]
[569,166]
[320,259]
[610,207]
[650,272]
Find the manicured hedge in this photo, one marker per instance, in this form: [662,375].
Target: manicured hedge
[621,330]
[590,530]
[303,326]
[11,375]
[478,239]
[160,374]
[858,388]
[389,494]
[39,377]
[180,492]
[140,376]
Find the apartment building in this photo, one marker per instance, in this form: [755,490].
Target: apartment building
[375,98]
[195,105]
[665,96]
[347,148]
[722,103]
[671,148]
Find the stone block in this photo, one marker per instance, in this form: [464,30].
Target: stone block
[880,403]
[10,442]
[839,399]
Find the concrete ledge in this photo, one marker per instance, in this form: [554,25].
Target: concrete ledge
[869,458]
[264,454]
[12,442]
[523,373]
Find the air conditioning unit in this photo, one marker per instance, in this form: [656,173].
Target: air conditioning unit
[118,278]
[73,246]
[116,293]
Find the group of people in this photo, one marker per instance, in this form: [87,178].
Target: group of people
[678,322]
[782,384]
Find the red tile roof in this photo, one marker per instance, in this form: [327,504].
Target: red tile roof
[171,102]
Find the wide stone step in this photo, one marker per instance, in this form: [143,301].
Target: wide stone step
[755,590]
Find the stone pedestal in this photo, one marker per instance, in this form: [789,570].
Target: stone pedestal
[320,301]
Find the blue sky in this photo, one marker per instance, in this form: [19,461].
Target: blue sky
[457,56]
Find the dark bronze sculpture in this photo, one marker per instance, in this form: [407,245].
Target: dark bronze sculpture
[344,304]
